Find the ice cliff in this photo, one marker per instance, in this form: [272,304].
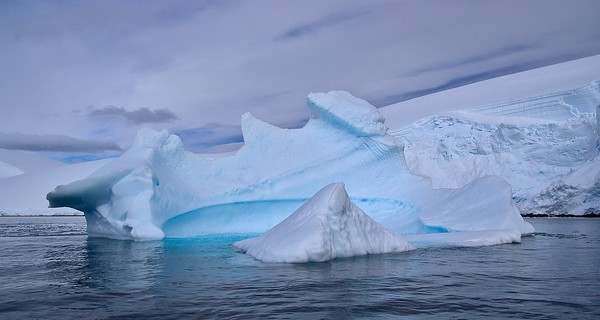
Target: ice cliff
[544,146]
[156,189]
[326,227]
[577,192]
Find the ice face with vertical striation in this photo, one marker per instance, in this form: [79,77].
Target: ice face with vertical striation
[157,189]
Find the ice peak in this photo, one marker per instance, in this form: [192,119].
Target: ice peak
[326,227]
[254,129]
[151,139]
[354,114]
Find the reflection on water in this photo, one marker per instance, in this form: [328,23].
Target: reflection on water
[125,265]
[553,274]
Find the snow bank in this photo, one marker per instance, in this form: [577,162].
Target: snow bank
[156,189]
[326,227]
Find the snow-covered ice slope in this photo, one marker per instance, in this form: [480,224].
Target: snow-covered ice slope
[25,194]
[156,189]
[532,143]
[518,86]
[328,226]
[13,163]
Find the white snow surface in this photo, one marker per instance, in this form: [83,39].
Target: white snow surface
[13,163]
[518,86]
[25,194]
[156,189]
[328,226]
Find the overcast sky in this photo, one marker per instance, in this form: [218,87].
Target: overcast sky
[73,71]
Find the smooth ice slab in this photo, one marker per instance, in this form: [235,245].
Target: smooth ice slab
[326,227]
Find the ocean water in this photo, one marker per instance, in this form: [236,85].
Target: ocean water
[50,269]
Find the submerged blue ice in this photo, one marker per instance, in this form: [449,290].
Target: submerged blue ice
[156,189]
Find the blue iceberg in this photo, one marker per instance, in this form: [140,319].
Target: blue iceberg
[156,189]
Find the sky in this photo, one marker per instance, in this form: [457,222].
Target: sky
[79,78]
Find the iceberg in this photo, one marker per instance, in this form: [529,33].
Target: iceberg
[327,226]
[156,189]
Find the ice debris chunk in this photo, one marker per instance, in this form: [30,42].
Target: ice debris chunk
[450,212]
[158,190]
[326,227]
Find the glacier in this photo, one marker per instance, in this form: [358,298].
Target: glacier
[328,226]
[156,189]
[577,192]
[536,144]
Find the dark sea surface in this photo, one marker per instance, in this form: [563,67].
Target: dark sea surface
[49,269]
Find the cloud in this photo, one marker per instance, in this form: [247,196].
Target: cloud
[319,25]
[139,116]
[51,142]
[476,58]
[202,139]
[211,61]
[468,79]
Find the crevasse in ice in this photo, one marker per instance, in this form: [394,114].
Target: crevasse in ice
[156,189]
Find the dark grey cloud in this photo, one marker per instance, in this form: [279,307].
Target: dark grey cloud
[139,116]
[471,78]
[219,137]
[319,25]
[202,139]
[53,142]
[476,58]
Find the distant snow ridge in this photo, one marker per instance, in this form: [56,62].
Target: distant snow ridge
[7,170]
[532,143]
[554,106]
[326,227]
[14,163]
[156,189]
[25,179]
